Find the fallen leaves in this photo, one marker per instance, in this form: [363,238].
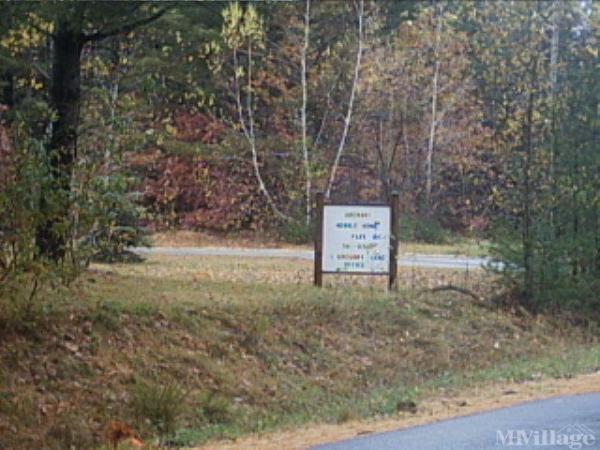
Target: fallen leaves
[117,431]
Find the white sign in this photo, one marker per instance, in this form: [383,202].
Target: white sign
[356,239]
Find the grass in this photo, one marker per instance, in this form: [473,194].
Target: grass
[465,247]
[221,347]
[457,245]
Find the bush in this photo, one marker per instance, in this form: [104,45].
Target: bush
[116,218]
[427,230]
[159,405]
[23,273]
[562,271]
[297,232]
[215,408]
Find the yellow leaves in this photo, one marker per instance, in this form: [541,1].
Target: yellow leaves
[35,84]
[239,71]
[232,16]
[252,25]
[32,83]
[171,129]
[27,36]
[241,27]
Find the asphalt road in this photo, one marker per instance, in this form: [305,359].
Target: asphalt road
[407,260]
[569,422]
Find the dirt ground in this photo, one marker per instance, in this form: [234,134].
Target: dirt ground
[483,398]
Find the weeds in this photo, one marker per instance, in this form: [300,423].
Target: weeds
[194,349]
[159,405]
[215,408]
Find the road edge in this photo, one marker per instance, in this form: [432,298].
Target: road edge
[474,400]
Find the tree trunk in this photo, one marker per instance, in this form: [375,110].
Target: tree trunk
[340,149]
[6,75]
[527,238]
[65,97]
[554,48]
[527,241]
[8,90]
[307,172]
[434,100]
[249,129]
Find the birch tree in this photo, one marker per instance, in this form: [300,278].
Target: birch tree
[307,171]
[245,28]
[434,100]
[348,117]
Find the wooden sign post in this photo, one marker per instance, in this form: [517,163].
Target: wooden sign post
[356,239]
[394,229]
[319,240]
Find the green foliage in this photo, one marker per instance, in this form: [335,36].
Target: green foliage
[117,218]
[424,229]
[515,139]
[24,275]
[22,173]
[548,236]
[297,232]
[215,408]
[158,404]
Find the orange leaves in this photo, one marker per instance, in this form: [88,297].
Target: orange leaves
[6,163]
[116,432]
[197,128]
[194,193]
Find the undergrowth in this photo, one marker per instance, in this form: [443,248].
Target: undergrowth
[188,350]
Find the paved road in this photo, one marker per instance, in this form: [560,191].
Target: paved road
[570,422]
[410,260]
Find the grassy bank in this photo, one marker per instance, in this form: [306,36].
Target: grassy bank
[205,348]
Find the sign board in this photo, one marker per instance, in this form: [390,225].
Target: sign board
[356,239]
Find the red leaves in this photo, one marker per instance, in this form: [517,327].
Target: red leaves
[117,431]
[198,128]
[193,193]
[6,159]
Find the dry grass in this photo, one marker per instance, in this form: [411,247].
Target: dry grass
[437,407]
[255,347]
[185,238]
[252,239]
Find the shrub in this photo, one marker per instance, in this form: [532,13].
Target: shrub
[421,229]
[159,405]
[116,220]
[297,232]
[215,408]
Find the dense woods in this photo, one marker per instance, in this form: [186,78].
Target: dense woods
[118,117]
[125,123]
